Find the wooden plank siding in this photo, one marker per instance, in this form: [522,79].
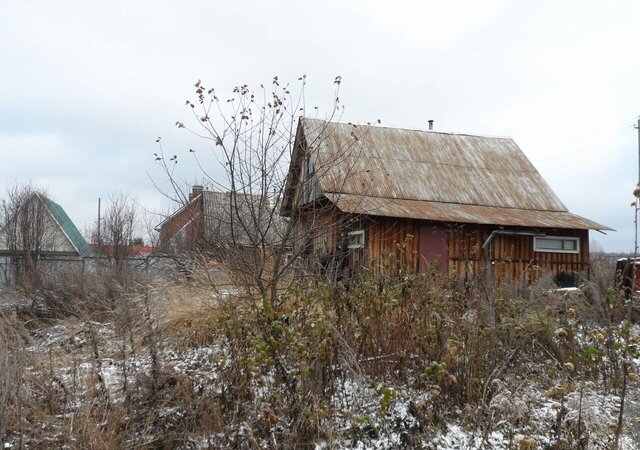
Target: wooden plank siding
[393,245]
[511,257]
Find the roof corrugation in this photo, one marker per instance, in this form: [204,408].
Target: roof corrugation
[243,219]
[433,176]
[428,166]
[450,212]
[68,227]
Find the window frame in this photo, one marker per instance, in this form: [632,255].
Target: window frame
[356,233]
[310,169]
[560,238]
[288,257]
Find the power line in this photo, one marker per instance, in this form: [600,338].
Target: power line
[576,156]
[616,135]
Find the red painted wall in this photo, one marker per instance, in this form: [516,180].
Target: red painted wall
[434,248]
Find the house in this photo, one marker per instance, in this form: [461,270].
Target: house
[180,230]
[457,204]
[215,222]
[41,226]
[38,234]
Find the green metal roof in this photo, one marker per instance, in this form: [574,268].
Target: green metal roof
[68,226]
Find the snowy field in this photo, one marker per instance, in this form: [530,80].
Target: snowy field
[524,414]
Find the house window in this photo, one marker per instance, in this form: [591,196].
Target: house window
[288,257]
[355,239]
[308,182]
[556,244]
[310,164]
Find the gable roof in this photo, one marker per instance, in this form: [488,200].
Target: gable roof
[63,239]
[428,175]
[242,218]
[68,227]
[228,218]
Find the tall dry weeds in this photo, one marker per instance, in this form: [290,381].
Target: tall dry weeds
[310,368]
[13,338]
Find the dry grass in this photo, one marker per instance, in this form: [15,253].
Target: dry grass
[177,362]
[191,313]
[11,368]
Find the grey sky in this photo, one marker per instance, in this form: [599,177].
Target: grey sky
[85,87]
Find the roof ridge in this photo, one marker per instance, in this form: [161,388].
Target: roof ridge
[391,127]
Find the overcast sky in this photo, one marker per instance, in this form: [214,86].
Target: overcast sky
[86,87]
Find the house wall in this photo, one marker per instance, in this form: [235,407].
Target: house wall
[390,245]
[393,245]
[180,221]
[54,239]
[316,238]
[455,250]
[433,248]
[511,257]
[47,234]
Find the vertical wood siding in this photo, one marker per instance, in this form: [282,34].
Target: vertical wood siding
[392,245]
[511,257]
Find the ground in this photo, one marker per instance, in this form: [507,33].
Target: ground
[75,362]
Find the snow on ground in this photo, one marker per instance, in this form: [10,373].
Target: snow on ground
[373,416]
[11,301]
[69,356]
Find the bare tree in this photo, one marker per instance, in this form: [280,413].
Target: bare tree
[253,136]
[115,234]
[27,231]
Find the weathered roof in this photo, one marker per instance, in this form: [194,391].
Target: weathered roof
[432,175]
[241,219]
[227,216]
[454,212]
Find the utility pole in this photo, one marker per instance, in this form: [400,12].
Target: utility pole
[638,128]
[636,194]
[98,234]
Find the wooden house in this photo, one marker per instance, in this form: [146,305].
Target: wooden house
[457,204]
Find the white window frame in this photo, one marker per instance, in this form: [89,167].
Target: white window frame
[560,238]
[355,233]
[288,257]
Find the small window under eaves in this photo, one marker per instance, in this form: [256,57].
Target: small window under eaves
[556,244]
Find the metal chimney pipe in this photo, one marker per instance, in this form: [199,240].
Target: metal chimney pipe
[430,124]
